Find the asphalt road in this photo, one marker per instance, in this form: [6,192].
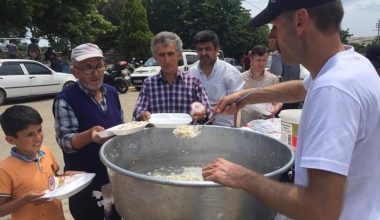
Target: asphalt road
[44,106]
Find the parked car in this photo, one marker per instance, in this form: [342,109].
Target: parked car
[26,78]
[3,47]
[234,63]
[151,67]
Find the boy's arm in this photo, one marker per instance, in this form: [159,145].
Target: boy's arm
[9,205]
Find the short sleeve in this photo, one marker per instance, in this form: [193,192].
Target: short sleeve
[331,130]
[5,183]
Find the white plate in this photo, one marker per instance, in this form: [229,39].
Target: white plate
[77,183]
[169,120]
[123,129]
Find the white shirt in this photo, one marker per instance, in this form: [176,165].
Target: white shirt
[340,131]
[223,80]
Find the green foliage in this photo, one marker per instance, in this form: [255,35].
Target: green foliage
[123,24]
[78,21]
[135,34]
[362,48]
[14,17]
[164,15]
[227,18]
[112,11]
[344,35]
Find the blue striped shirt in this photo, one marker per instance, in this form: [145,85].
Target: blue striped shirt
[157,96]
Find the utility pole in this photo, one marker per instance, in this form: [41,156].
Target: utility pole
[378,31]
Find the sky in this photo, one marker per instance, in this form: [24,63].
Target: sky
[360,16]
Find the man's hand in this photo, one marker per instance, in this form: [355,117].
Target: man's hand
[227,173]
[198,111]
[226,104]
[145,116]
[95,136]
[273,109]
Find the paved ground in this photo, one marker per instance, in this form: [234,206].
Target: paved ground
[44,106]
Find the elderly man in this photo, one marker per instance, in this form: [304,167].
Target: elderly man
[257,77]
[219,77]
[81,111]
[172,90]
[337,173]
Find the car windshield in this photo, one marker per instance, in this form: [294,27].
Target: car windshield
[151,62]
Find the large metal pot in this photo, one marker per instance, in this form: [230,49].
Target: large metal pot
[138,196]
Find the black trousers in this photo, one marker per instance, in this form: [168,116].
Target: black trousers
[84,207]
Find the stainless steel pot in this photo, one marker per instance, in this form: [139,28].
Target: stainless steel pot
[138,196]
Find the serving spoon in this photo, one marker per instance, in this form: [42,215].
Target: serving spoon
[236,102]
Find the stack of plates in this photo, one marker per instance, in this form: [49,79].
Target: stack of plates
[169,120]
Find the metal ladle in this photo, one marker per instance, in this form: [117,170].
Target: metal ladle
[236,102]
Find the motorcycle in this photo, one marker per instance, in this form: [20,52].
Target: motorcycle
[132,65]
[116,76]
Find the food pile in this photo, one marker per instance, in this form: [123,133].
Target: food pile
[185,173]
[131,125]
[56,181]
[187,131]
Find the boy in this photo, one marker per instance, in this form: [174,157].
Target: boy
[24,174]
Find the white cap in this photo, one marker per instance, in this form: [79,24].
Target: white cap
[85,51]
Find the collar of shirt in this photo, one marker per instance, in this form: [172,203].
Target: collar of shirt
[102,104]
[179,76]
[258,78]
[16,154]
[215,69]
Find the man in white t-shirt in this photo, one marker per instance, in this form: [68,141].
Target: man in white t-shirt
[337,164]
[219,77]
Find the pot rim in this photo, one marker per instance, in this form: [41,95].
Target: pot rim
[148,178]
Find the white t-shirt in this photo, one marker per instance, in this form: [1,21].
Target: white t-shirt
[340,131]
[224,80]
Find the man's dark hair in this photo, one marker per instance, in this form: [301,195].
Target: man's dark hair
[259,50]
[206,36]
[18,118]
[327,17]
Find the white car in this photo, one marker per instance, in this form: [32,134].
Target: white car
[25,78]
[234,63]
[151,67]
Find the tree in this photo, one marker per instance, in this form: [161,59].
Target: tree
[135,34]
[345,35]
[158,12]
[14,17]
[78,21]
[227,18]
[112,11]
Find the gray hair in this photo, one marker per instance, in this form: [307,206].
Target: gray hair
[74,63]
[165,38]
